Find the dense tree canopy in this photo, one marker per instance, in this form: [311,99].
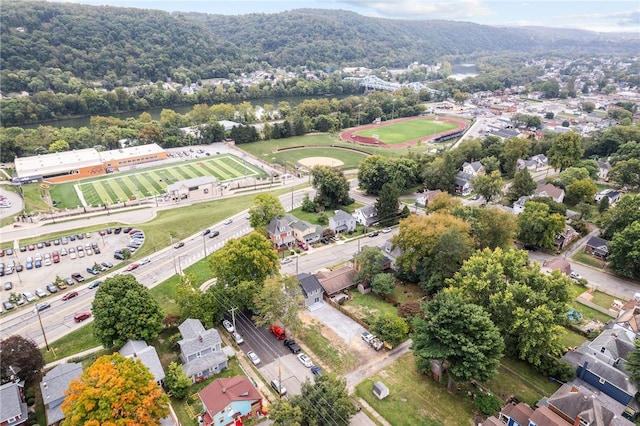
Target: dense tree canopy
[390,328]
[331,185]
[375,171]
[325,402]
[22,356]
[624,251]
[368,263]
[565,151]
[115,391]
[522,185]
[625,212]
[124,309]
[537,226]
[388,205]
[279,300]
[460,335]
[265,208]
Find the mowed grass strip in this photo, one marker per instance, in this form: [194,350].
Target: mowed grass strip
[117,189]
[221,173]
[122,184]
[109,190]
[90,194]
[102,193]
[230,172]
[151,182]
[407,130]
[210,172]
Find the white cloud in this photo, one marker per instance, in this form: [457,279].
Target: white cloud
[424,9]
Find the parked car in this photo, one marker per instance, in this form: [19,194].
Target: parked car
[305,360]
[373,234]
[367,337]
[19,267]
[70,295]
[76,276]
[576,276]
[56,257]
[37,263]
[205,232]
[386,230]
[7,305]
[292,345]
[29,296]
[107,265]
[69,281]
[228,326]
[118,255]
[40,293]
[304,246]
[285,260]
[56,242]
[63,251]
[237,337]
[117,230]
[277,386]
[9,252]
[81,316]
[51,288]
[92,271]
[42,306]
[278,332]
[8,285]
[316,370]
[255,359]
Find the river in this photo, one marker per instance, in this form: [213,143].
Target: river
[78,122]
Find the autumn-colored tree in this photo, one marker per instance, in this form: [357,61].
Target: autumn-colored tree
[115,391]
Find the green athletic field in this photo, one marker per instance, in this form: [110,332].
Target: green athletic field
[149,182]
[407,130]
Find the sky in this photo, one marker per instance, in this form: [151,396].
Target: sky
[594,15]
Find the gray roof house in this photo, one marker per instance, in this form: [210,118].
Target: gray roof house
[280,233]
[463,183]
[597,247]
[311,288]
[612,194]
[200,350]
[139,350]
[13,406]
[603,169]
[304,231]
[342,221]
[475,168]
[366,215]
[392,255]
[53,386]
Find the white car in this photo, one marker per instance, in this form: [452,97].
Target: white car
[386,230]
[228,221]
[144,261]
[575,275]
[305,360]
[286,260]
[238,338]
[255,359]
[228,326]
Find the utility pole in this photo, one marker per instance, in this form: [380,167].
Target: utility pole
[233,316]
[43,333]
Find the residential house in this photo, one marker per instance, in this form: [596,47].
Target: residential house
[311,288]
[53,386]
[549,190]
[139,350]
[366,216]
[463,183]
[558,263]
[391,254]
[566,237]
[333,282]
[13,405]
[603,170]
[281,233]
[426,198]
[597,247]
[228,400]
[200,350]
[341,222]
[578,404]
[629,317]
[475,168]
[519,204]
[533,163]
[304,231]
[612,194]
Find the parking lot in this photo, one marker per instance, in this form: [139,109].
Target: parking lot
[33,277]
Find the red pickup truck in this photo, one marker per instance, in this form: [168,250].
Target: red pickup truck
[278,332]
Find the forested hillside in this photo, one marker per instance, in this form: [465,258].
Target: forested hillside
[117,46]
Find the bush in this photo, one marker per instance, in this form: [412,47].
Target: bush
[30,393]
[560,370]
[487,403]
[174,339]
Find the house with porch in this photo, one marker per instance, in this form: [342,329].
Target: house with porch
[335,281]
[566,237]
[551,191]
[474,168]
[597,247]
[281,234]
[53,386]
[304,231]
[427,197]
[463,183]
[342,221]
[366,216]
[229,401]
[311,288]
[200,350]
[611,194]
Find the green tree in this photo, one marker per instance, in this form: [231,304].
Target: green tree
[624,251]
[514,149]
[565,151]
[284,413]
[177,381]
[572,174]
[491,227]
[383,284]
[603,205]
[59,146]
[625,212]
[587,106]
[279,300]
[327,398]
[537,227]
[22,356]
[368,263]
[633,363]
[579,191]
[626,173]
[266,207]
[488,186]
[387,204]
[332,187]
[249,258]
[124,309]
[434,247]
[441,173]
[523,185]
[460,335]
[390,328]
[192,302]
[115,391]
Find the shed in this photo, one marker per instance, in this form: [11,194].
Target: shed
[380,390]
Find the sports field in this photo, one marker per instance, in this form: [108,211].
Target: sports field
[404,131]
[149,182]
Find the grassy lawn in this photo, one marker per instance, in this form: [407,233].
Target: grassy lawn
[33,201]
[570,338]
[416,399]
[405,292]
[312,217]
[290,158]
[519,379]
[330,354]
[367,306]
[408,130]
[587,259]
[77,341]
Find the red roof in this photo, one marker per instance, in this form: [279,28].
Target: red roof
[222,392]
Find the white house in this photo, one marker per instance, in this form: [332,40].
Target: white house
[342,221]
[366,216]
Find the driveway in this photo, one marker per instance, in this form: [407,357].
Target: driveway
[339,323]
